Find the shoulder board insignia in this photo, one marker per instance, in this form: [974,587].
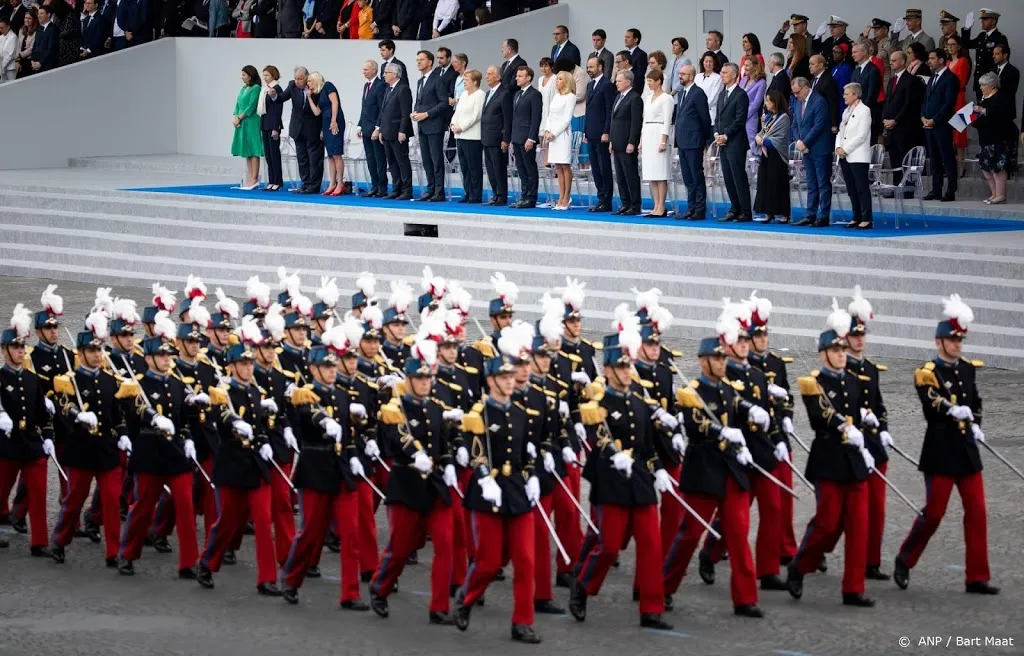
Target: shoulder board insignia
[693,384]
[188,380]
[304,396]
[644,383]
[591,413]
[787,359]
[485,347]
[882,367]
[129,389]
[930,366]
[138,341]
[594,345]
[735,384]
[547,392]
[866,379]
[977,364]
[263,392]
[452,386]
[472,422]
[572,357]
[809,385]
[687,397]
[531,412]
[219,395]
[62,385]
[290,375]
[409,340]
[925,377]
[233,340]
[561,383]
[369,383]
[137,350]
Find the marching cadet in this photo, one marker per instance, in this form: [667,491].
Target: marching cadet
[163,452]
[623,497]
[715,473]
[838,465]
[275,383]
[501,495]
[419,497]
[327,298]
[326,473]
[471,358]
[875,426]
[291,290]
[572,342]
[258,305]
[367,285]
[950,455]
[434,289]
[219,331]
[768,447]
[240,469]
[98,433]
[195,294]
[501,309]
[395,322]
[164,300]
[294,354]
[28,428]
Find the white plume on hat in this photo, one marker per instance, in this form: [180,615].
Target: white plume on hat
[646,300]
[51,301]
[249,331]
[367,284]
[550,328]
[740,311]
[507,290]
[760,308]
[21,321]
[274,323]
[660,318]
[573,293]
[334,337]
[425,351]
[257,291]
[353,330]
[98,323]
[402,295]
[163,298]
[524,332]
[163,326]
[199,315]
[302,305]
[839,319]
[104,301]
[328,292]
[958,312]
[195,288]
[727,326]
[228,306]
[630,341]
[551,305]
[452,321]
[433,284]
[432,329]
[373,316]
[458,298]
[125,309]
[508,342]
[860,307]
[625,319]
[288,282]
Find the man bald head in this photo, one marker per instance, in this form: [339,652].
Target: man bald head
[817,65]
[493,76]
[687,74]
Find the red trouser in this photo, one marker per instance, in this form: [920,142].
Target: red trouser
[33,474]
[108,487]
[768,496]
[407,528]
[380,479]
[972,497]
[20,508]
[876,515]
[319,509]
[671,512]
[465,479]
[460,535]
[367,527]
[493,535]
[148,488]
[542,581]
[842,509]
[567,519]
[165,514]
[237,506]
[281,513]
[616,523]
[787,538]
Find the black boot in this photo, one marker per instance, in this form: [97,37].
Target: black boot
[772,582]
[525,633]
[57,552]
[268,590]
[875,573]
[500,576]
[19,525]
[578,601]
[654,621]
[548,608]
[250,528]
[784,561]
[823,565]
[366,577]
[92,532]
[111,562]
[188,574]
[205,577]
[453,590]
[636,595]
[126,568]
[413,559]
[706,569]
[794,582]
[357,605]
[229,558]
[379,605]
[291,595]
[982,588]
[441,619]
[461,613]
[669,604]
[313,572]
[563,580]
[748,610]
[901,574]
[333,542]
[856,599]
[161,545]
[41,552]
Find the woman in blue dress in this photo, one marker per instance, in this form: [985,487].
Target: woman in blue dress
[333,121]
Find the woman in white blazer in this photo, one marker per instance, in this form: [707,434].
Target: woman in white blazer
[853,147]
[556,135]
[8,52]
[466,127]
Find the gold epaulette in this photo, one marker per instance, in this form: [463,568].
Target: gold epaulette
[866,379]
[279,350]
[672,352]
[785,358]
[925,376]
[594,345]
[485,347]
[735,384]
[369,383]
[649,400]
[546,391]
[219,395]
[409,340]
[137,350]
[687,397]
[977,364]
[452,386]
[473,421]
[304,396]
[881,367]
[531,412]
[561,383]
[233,340]
[472,371]
[188,380]
[263,392]
[202,357]
[129,389]
[391,413]
[290,375]
[572,357]
[809,385]
[62,385]
[592,413]
[593,391]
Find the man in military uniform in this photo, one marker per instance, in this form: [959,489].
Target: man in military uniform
[258,305]
[950,456]
[394,344]
[164,300]
[838,466]
[885,44]
[799,24]
[986,40]
[295,346]
[366,284]
[836,27]
[715,476]
[219,332]
[915,33]
[623,423]
[572,341]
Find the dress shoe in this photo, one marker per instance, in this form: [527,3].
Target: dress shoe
[313,572]
[500,576]
[652,215]
[697,217]
[310,191]
[406,196]
[728,218]
[633,211]
[464,199]
[501,202]
[823,564]
[19,525]
[229,558]
[772,582]
[669,604]
[205,577]
[425,197]
[563,580]
[413,559]
[357,605]
[441,619]
[654,621]
[687,214]
[527,205]
[852,224]
[490,201]
[578,601]
[291,595]
[865,225]
[744,218]
[41,552]
[92,532]
[875,573]
[161,545]
[57,552]
[369,194]
[250,528]
[748,610]
[437,199]
[806,221]
[981,587]
[461,613]
[453,590]
[379,605]
[475,201]
[296,190]
[949,197]
[784,561]
[599,208]
[620,211]
[333,543]
[268,590]
[857,599]
[616,564]
[392,196]
[706,568]
[366,577]
[931,196]
[548,608]
[794,582]
[111,563]
[188,573]
[126,568]
[524,633]
[901,574]
[821,223]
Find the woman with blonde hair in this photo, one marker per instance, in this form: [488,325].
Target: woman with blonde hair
[333,127]
[558,136]
[466,127]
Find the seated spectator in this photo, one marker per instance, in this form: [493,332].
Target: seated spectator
[997,136]
[772,144]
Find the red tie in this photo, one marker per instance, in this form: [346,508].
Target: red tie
[892,85]
[366,90]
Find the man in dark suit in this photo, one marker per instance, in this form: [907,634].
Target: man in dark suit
[867,75]
[95,30]
[304,129]
[601,51]
[780,76]
[939,106]
[325,13]
[731,137]
[289,19]
[624,136]
[693,127]
[1009,75]
[45,48]
[597,132]
[406,21]
[823,83]
[564,48]
[637,58]
[386,48]
[813,137]
[132,17]
[394,127]
[449,76]
[432,114]
[14,12]
[376,160]
[901,113]
[510,67]
[495,125]
[524,134]
[713,42]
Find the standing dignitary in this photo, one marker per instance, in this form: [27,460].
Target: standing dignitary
[304,129]
[799,24]
[814,139]
[1009,75]
[510,65]
[836,27]
[465,126]
[692,131]
[597,130]
[637,58]
[624,140]
[495,125]
[393,129]
[950,455]
[432,114]
[524,134]
[731,136]
[564,47]
[376,161]
[983,44]
[939,105]
[606,56]
[867,75]
[901,113]
[915,33]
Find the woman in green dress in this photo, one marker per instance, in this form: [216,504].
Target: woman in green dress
[247,141]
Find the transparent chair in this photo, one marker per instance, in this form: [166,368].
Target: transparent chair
[912,181]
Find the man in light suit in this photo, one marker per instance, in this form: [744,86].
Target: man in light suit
[527,106]
[693,127]
[563,46]
[627,121]
[495,125]
[813,135]
[731,137]
[939,106]
[433,115]
[394,127]
[376,160]
[867,75]
[637,58]
[597,131]
[607,57]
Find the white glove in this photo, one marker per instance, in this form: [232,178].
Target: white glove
[569,456]
[332,428]
[371,449]
[854,436]
[782,452]
[759,416]
[388,380]
[869,461]
[289,439]
[491,490]
[48,447]
[563,409]
[421,461]
[622,462]
[679,443]
[580,377]
[288,391]
[49,406]
[266,452]
[549,463]
[356,467]
[733,435]
[969,21]
[744,458]
[533,491]
[662,481]
[87,418]
[820,32]
[163,424]
[960,412]
[868,418]
[787,425]
[531,449]
[270,405]
[976,431]
[581,431]
[190,449]
[243,428]
[666,418]
[886,438]
[898,26]
[124,443]
[6,425]
[453,415]
[198,399]
[450,479]
[777,391]
[462,456]
[357,410]
[224,381]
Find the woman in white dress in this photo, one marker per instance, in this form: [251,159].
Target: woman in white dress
[558,135]
[546,86]
[710,81]
[655,152]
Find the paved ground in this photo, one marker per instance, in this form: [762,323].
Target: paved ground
[83,608]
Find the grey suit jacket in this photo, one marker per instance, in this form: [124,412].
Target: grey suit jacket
[922,38]
[607,58]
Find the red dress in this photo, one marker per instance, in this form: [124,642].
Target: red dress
[962,69]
